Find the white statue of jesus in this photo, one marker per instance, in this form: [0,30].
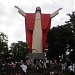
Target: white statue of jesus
[38,34]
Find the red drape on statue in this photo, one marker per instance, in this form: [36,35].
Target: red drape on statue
[46,24]
[29,24]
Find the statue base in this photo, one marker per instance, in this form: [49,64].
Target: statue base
[31,56]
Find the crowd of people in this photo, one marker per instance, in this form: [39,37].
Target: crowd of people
[13,68]
[53,66]
[20,67]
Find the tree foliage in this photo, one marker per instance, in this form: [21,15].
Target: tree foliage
[61,39]
[19,50]
[3,45]
[71,23]
[3,41]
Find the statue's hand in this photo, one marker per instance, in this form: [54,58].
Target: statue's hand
[17,7]
[60,8]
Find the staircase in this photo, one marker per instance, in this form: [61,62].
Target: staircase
[34,71]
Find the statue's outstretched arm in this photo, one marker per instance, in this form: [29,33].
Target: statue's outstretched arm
[55,13]
[21,11]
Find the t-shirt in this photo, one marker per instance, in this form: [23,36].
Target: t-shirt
[24,67]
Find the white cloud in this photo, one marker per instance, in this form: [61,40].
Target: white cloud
[12,23]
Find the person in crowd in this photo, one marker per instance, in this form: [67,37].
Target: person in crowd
[28,62]
[23,68]
[34,62]
[47,63]
[74,67]
[63,66]
[71,69]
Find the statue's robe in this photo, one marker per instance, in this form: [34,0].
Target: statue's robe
[37,26]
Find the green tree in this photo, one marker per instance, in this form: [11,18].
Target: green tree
[71,56]
[71,23]
[19,50]
[58,39]
[3,45]
[61,39]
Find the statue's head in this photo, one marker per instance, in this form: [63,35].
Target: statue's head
[38,9]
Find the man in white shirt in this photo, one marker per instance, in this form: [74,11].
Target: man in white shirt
[71,69]
[24,68]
